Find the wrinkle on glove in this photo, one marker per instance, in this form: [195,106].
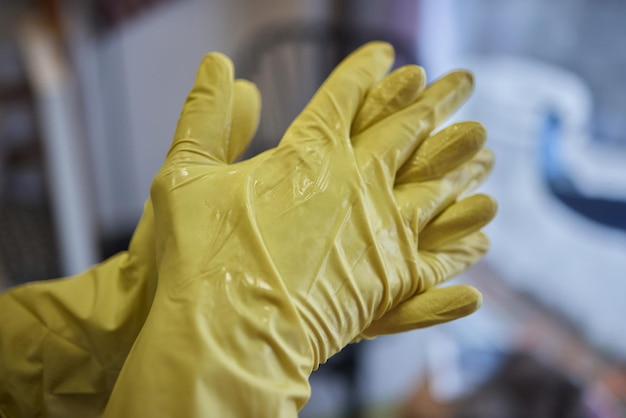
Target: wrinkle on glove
[55,359]
[305,247]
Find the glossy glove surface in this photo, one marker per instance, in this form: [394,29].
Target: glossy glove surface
[69,331]
[275,263]
[320,220]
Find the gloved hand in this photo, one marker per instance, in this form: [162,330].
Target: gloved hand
[63,342]
[275,263]
[87,337]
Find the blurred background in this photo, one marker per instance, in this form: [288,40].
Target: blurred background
[90,92]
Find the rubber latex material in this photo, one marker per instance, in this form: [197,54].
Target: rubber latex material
[96,334]
[275,263]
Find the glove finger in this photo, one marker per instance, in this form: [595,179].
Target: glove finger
[450,259]
[459,220]
[435,306]
[404,131]
[443,152]
[420,202]
[395,92]
[330,112]
[446,94]
[204,123]
[245,119]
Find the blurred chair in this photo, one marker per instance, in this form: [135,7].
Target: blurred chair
[49,73]
[288,62]
[605,211]
[27,246]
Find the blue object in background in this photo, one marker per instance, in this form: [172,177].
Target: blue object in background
[608,212]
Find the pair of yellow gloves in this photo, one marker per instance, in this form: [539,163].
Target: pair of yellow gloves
[242,277]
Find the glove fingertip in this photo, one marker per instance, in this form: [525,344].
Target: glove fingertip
[245,118]
[466,300]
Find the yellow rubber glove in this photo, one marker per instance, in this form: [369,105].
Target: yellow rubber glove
[269,266]
[81,306]
[63,342]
